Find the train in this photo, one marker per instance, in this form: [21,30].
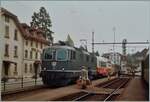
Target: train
[62,64]
[104,66]
[145,69]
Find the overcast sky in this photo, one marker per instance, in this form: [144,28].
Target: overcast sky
[80,18]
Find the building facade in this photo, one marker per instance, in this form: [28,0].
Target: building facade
[21,47]
[114,57]
[11,46]
[34,42]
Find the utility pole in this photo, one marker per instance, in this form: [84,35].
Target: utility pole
[93,42]
[114,29]
[124,42]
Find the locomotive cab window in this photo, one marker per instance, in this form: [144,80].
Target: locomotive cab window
[81,57]
[92,59]
[73,55]
[50,54]
[103,64]
[61,54]
[87,58]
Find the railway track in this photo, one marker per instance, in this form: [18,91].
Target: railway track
[47,94]
[115,85]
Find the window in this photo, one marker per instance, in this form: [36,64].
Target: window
[31,69]
[81,57]
[6,19]
[87,58]
[61,54]
[25,68]
[31,54]
[36,55]
[15,34]
[26,42]
[99,63]
[6,31]
[50,54]
[36,44]
[31,43]
[6,50]
[41,46]
[15,51]
[15,69]
[92,59]
[26,53]
[103,64]
[40,55]
[73,55]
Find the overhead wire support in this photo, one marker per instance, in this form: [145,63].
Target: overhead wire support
[121,43]
[93,42]
[114,29]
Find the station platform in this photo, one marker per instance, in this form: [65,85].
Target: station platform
[49,94]
[136,90]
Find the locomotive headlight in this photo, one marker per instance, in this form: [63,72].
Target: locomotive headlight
[54,64]
[62,69]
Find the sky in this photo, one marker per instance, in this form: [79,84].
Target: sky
[79,18]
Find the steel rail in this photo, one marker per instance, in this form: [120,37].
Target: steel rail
[83,96]
[115,90]
[111,94]
[107,84]
[90,93]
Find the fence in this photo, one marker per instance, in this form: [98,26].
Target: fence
[12,84]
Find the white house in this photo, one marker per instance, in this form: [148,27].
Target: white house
[11,46]
[21,47]
[114,57]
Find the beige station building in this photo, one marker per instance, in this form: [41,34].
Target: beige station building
[33,44]
[20,47]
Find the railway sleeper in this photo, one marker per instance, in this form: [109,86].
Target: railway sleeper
[95,97]
[84,95]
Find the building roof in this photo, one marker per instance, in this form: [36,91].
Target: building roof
[26,31]
[34,34]
[142,53]
[102,59]
[110,53]
[14,17]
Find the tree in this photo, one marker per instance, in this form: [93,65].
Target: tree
[97,53]
[132,62]
[42,21]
